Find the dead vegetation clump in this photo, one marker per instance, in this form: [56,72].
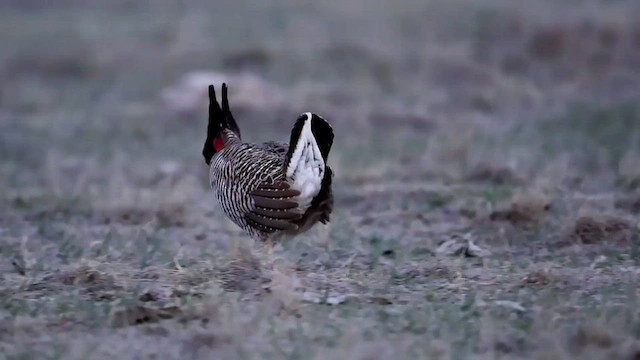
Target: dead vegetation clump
[416,274]
[86,275]
[609,230]
[539,278]
[98,284]
[525,211]
[167,215]
[588,340]
[494,174]
[591,336]
[126,216]
[141,314]
[588,45]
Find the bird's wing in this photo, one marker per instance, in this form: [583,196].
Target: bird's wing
[275,207]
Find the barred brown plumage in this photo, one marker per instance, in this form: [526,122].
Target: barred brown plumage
[273,188]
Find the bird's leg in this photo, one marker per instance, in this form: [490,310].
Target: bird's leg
[269,248]
[269,245]
[268,262]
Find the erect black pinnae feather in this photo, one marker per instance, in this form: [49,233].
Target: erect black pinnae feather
[230,122]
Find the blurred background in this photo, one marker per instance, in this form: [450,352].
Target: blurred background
[94,89]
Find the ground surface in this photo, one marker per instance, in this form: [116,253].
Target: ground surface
[458,124]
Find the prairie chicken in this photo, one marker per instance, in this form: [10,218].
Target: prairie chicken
[270,190]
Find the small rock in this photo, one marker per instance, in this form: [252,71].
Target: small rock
[319,299]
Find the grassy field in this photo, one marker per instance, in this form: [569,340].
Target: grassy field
[487,180]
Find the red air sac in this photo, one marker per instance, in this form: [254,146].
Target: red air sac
[218,144]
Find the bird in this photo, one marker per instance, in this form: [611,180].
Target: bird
[271,190]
